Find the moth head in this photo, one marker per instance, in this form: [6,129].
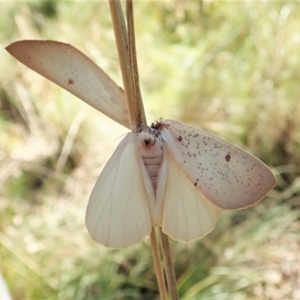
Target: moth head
[147,139]
[150,142]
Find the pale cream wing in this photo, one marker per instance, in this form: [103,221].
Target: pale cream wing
[226,175]
[187,215]
[75,72]
[118,214]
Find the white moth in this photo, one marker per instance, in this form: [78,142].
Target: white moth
[170,174]
[175,176]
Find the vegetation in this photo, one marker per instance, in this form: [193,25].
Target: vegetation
[229,67]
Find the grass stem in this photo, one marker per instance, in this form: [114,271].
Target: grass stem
[125,41]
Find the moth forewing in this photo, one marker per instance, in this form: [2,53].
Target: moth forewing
[118,214]
[226,175]
[69,68]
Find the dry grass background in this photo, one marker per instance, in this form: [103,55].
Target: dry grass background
[229,67]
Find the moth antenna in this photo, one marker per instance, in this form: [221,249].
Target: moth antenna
[120,136]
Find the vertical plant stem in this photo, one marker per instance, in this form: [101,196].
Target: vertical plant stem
[157,265]
[169,267]
[140,112]
[123,52]
[128,62]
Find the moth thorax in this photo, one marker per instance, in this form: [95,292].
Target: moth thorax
[151,149]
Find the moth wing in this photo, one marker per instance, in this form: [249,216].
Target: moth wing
[226,175]
[75,72]
[118,214]
[187,215]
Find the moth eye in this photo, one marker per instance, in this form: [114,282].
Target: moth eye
[147,142]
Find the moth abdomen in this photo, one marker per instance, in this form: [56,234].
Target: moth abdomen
[151,148]
[153,165]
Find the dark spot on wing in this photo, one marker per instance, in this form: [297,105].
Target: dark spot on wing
[70,81]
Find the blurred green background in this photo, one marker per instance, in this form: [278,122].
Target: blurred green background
[231,68]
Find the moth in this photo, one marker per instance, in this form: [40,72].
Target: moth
[169,174]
